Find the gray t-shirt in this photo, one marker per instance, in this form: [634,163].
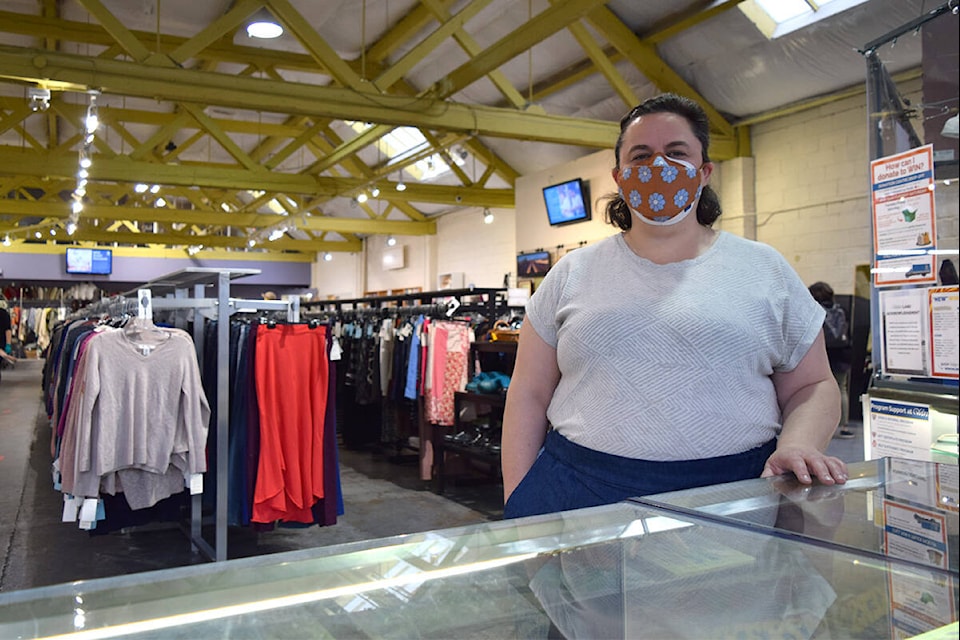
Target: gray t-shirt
[672,362]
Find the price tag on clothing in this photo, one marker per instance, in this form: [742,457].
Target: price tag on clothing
[195,483]
[88,513]
[335,351]
[70,507]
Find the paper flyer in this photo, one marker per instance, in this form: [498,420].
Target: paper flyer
[899,429]
[944,331]
[904,220]
[903,332]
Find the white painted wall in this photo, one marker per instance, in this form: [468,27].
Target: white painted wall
[482,252]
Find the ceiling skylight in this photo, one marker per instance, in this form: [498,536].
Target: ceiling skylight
[406,142]
[777,18]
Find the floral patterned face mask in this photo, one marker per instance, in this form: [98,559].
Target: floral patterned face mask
[662,191]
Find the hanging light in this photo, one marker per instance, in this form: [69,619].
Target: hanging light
[361,197]
[400,185]
[70,227]
[487,216]
[264,26]
[6,240]
[391,241]
[327,257]
[92,120]
[375,192]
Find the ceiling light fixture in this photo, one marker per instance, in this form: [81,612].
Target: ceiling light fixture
[327,257]
[92,121]
[487,216]
[400,185]
[264,26]
[391,241]
[6,240]
[361,198]
[375,192]
[39,98]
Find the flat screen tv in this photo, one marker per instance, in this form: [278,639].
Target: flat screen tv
[567,202]
[533,265]
[98,262]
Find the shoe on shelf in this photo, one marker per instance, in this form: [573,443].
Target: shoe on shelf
[845,434]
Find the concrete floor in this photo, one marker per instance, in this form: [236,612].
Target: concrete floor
[381,498]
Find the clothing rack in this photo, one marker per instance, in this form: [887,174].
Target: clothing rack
[492,302]
[177,287]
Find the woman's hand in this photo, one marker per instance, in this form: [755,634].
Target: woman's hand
[805,463]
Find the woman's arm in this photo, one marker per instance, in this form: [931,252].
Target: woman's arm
[810,407]
[535,376]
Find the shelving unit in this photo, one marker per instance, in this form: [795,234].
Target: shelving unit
[482,447]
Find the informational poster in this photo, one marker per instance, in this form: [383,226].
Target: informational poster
[903,332]
[948,487]
[944,304]
[899,429]
[904,219]
[919,602]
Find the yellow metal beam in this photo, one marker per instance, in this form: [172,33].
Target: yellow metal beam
[235,242]
[603,63]
[410,59]
[200,87]
[645,57]
[16,161]
[59,211]
[472,48]
[18,246]
[535,30]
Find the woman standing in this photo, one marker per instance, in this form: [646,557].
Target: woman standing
[670,355]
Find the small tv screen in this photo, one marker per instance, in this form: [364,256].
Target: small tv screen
[567,202]
[533,265]
[97,262]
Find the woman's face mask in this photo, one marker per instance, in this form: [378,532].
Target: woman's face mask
[661,191]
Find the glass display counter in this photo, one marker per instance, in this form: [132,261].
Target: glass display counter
[723,561]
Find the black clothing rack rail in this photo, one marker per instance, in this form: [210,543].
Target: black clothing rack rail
[487,301]
[176,287]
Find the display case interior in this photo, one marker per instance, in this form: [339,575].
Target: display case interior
[627,570]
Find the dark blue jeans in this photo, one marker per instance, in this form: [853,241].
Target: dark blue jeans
[568,476]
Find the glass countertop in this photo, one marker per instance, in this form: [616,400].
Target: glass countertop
[888,507]
[715,565]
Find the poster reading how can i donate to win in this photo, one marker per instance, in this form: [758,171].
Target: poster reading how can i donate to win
[904,221]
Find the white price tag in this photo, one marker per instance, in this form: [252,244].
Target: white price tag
[88,512]
[195,483]
[335,351]
[70,507]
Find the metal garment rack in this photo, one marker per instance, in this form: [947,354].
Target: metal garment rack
[177,288]
[492,301]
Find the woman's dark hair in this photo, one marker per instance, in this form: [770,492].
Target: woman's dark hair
[822,293]
[708,208]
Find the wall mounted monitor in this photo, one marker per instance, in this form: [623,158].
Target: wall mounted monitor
[97,262]
[533,265]
[567,202]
